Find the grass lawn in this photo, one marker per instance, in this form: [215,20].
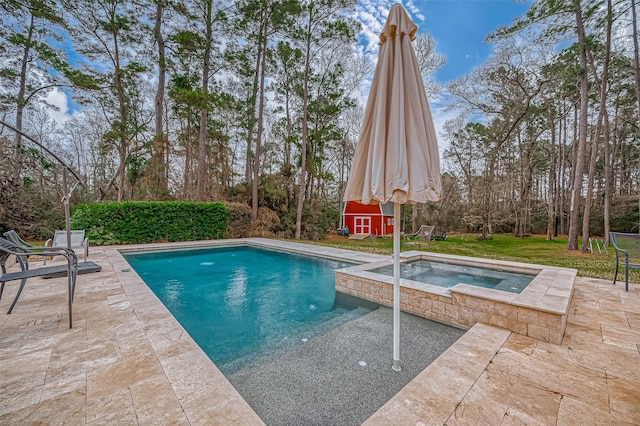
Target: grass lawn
[533,249]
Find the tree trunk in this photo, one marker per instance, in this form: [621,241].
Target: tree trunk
[551,195]
[608,173]
[341,188]
[414,217]
[188,160]
[596,139]
[586,217]
[122,130]
[287,171]
[20,101]
[158,170]
[251,105]
[563,172]
[256,159]
[305,132]
[636,63]
[582,133]
[202,136]
[167,148]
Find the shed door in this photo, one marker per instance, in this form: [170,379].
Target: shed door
[362,225]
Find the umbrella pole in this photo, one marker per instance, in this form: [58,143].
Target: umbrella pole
[396,287]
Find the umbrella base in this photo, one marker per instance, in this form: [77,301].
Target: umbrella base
[396,365]
[83,268]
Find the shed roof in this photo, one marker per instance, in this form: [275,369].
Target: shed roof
[387,208]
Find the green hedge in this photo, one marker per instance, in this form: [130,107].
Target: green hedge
[137,222]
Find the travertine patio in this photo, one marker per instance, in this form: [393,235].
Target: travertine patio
[127,361]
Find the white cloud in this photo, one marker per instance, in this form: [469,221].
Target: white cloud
[372,17]
[57,106]
[373,14]
[414,10]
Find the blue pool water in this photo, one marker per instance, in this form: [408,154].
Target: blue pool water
[242,303]
[447,275]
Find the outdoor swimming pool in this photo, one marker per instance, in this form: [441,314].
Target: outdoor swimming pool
[449,274]
[241,303]
[345,375]
[329,364]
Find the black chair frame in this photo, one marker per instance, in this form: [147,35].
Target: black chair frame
[9,248]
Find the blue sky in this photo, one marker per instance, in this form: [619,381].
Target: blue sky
[459,27]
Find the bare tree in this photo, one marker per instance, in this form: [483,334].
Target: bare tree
[429,62]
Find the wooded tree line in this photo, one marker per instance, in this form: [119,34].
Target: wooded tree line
[258,101]
[548,135]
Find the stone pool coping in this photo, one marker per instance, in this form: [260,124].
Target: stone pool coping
[128,360]
[539,311]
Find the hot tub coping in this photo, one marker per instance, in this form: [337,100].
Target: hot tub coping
[539,311]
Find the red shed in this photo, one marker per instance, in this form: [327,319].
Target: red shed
[369,219]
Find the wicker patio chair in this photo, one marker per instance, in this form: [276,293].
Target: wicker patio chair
[424,233]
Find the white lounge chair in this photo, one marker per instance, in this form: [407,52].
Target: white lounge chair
[78,241]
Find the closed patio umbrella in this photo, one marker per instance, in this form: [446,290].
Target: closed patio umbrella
[396,158]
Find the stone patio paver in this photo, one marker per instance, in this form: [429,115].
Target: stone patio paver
[128,361]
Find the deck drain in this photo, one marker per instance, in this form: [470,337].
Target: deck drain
[40,321]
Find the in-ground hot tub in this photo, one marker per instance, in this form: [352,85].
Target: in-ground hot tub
[449,274]
[539,310]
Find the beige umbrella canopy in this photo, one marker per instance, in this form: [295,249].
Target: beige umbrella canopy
[396,158]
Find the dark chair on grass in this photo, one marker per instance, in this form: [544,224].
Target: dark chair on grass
[440,232]
[627,246]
